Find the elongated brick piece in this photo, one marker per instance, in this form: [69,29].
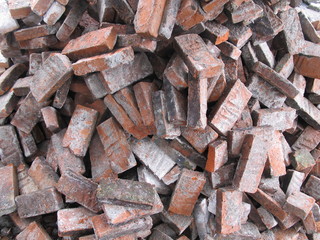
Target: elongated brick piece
[8,78]
[74,221]
[40,6]
[39,202]
[8,23]
[9,189]
[84,193]
[229,108]
[194,52]
[55,71]
[176,72]
[80,130]
[306,66]
[186,192]
[33,231]
[169,18]
[116,146]
[217,155]
[299,204]
[54,13]
[8,102]
[308,139]
[103,62]
[91,44]
[35,32]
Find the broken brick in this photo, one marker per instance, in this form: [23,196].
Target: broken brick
[33,231]
[8,78]
[299,204]
[217,155]
[9,189]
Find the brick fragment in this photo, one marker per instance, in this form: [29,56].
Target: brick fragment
[216,33]
[28,144]
[8,23]
[247,12]
[26,183]
[8,103]
[91,44]
[9,144]
[312,187]
[285,65]
[293,181]
[116,146]
[8,78]
[19,9]
[308,139]
[137,42]
[249,55]
[265,55]
[40,6]
[84,194]
[267,218]
[197,57]
[35,32]
[51,119]
[233,103]
[218,88]
[124,10]
[306,66]
[39,202]
[217,155]
[9,189]
[228,210]
[74,221]
[229,50]
[176,221]
[169,18]
[33,231]
[239,35]
[54,13]
[38,43]
[95,85]
[80,130]
[299,81]
[299,204]
[61,95]
[302,160]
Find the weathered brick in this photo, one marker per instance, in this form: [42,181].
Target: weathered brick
[91,44]
[299,204]
[26,183]
[169,18]
[54,13]
[216,33]
[308,139]
[8,78]
[306,66]
[285,65]
[84,193]
[246,12]
[124,10]
[33,231]
[217,155]
[8,24]
[19,9]
[40,6]
[51,119]
[9,189]
[8,103]
[302,160]
[39,202]
[239,35]
[35,32]
[229,108]
[267,218]
[177,222]
[229,50]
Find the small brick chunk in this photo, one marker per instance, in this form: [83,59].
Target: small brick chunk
[103,62]
[74,221]
[275,79]
[19,8]
[229,108]
[8,24]
[307,66]
[229,50]
[217,155]
[84,193]
[216,32]
[35,32]
[197,103]
[126,193]
[308,139]
[54,13]
[80,130]
[91,44]
[176,72]
[195,54]
[229,202]
[42,174]
[267,218]
[148,17]
[33,231]
[103,230]
[40,7]
[251,164]
[265,55]
[9,145]
[8,78]
[26,183]
[186,192]
[126,74]
[177,222]
[115,145]
[39,202]
[293,181]
[50,117]
[95,85]
[124,10]
[9,189]
[8,102]
[169,18]
[299,204]
[302,159]
[246,12]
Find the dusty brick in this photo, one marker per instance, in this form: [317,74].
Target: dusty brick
[126,74]
[103,62]
[229,50]
[313,86]
[124,10]
[246,12]
[9,189]
[9,144]
[84,194]
[299,204]
[249,55]
[40,6]
[27,142]
[239,35]
[39,202]
[218,88]
[299,81]
[267,218]
[54,13]
[38,43]
[217,155]
[35,32]
[306,66]
[197,57]
[302,160]
[51,119]
[8,102]
[26,183]
[35,62]
[265,55]
[176,221]
[80,130]
[91,44]
[61,95]
[183,202]
[33,231]
[8,23]
[216,33]
[233,103]
[19,9]
[169,18]
[285,65]
[308,139]
[74,221]
[293,181]
[95,85]
[9,77]
[21,223]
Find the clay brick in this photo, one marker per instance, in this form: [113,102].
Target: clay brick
[26,183]
[265,55]
[124,10]
[156,234]
[308,29]
[249,55]
[33,231]
[35,62]
[197,57]
[103,230]
[91,44]
[42,174]
[308,139]
[176,73]
[216,33]
[282,118]
[27,142]
[21,223]
[285,65]
[9,189]
[95,85]
[275,79]
[51,119]
[306,66]
[169,18]
[217,155]
[186,192]
[247,12]
[137,42]
[228,210]
[299,204]
[80,130]
[84,193]
[299,81]
[116,214]
[19,9]
[148,18]
[54,13]
[177,222]
[39,202]
[40,6]
[250,167]
[233,103]
[35,32]
[293,181]
[8,24]
[312,187]
[197,103]
[267,218]
[239,35]
[302,160]
[218,88]
[172,176]
[229,50]
[103,62]
[58,155]
[74,221]
[9,144]
[313,86]
[61,95]
[8,78]
[8,103]
[245,119]
[38,43]
[152,156]
[126,74]
[116,146]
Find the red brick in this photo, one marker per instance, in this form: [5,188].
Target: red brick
[124,10]
[285,65]
[19,9]
[9,189]
[302,160]
[299,204]
[308,139]
[26,183]
[54,13]
[8,23]
[265,55]
[267,218]
[216,33]
[169,18]
[137,42]
[33,231]
[8,78]
[8,103]
[217,155]
[246,12]
[91,44]
[239,35]
[306,66]
[35,32]
[218,88]
[177,222]
[51,119]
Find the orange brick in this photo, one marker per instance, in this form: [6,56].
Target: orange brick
[40,6]
[9,189]
[33,231]
[217,155]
